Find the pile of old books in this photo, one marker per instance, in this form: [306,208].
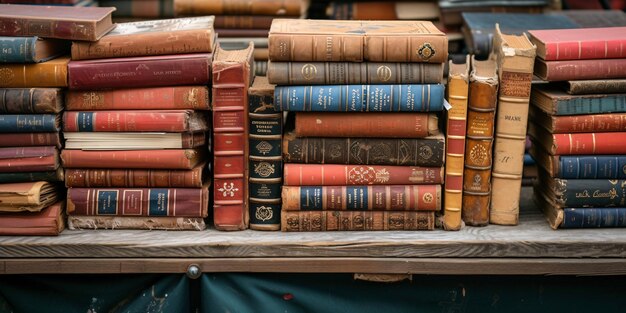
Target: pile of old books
[135,157]
[366,152]
[578,126]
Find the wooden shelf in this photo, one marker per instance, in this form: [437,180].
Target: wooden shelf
[530,248]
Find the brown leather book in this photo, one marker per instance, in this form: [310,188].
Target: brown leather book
[63,22]
[383,10]
[516,55]
[30,139]
[50,221]
[600,86]
[33,196]
[76,222]
[183,159]
[357,41]
[237,7]
[51,73]
[142,178]
[28,159]
[478,148]
[31,100]
[156,37]
[356,220]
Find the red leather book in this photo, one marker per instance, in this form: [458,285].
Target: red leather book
[580,43]
[181,202]
[29,139]
[28,159]
[338,175]
[580,143]
[49,221]
[173,121]
[356,220]
[580,69]
[158,98]
[366,124]
[152,71]
[147,159]
[232,77]
[145,178]
[613,122]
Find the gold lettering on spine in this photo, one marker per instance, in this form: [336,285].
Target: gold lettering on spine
[309,71]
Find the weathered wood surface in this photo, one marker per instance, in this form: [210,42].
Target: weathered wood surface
[533,238]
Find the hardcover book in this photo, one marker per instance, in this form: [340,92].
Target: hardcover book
[131,222]
[356,220]
[171,121]
[29,123]
[357,41]
[140,8]
[554,101]
[589,123]
[136,178]
[577,143]
[580,69]
[30,196]
[580,166]
[30,49]
[338,175]
[51,73]
[63,22]
[31,100]
[133,141]
[183,159]
[28,159]
[50,221]
[23,177]
[600,86]
[579,193]
[580,43]
[238,7]
[29,139]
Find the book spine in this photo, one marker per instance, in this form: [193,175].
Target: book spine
[585,49]
[338,175]
[30,100]
[360,98]
[582,69]
[123,222]
[243,21]
[589,143]
[593,217]
[362,198]
[132,159]
[592,167]
[237,7]
[604,86]
[125,121]
[590,192]
[28,123]
[380,125]
[17,49]
[145,44]
[181,202]
[369,151]
[50,176]
[351,48]
[193,70]
[140,9]
[345,73]
[604,103]
[48,28]
[142,178]
[300,221]
[26,152]
[458,88]
[515,73]
[46,74]
[42,163]
[265,162]
[589,123]
[182,97]
[30,139]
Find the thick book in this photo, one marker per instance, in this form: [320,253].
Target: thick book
[23,177]
[152,9]
[152,202]
[155,37]
[29,123]
[63,22]
[427,151]
[29,159]
[516,55]
[133,140]
[483,99]
[580,69]
[75,222]
[136,178]
[597,86]
[30,49]
[362,198]
[579,43]
[157,98]
[357,41]
[301,221]
[457,95]
[150,71]
[232,76]
[29,196]
[238,7]
[360,98]
[51,73]
[183,159]
[577,143]
[344,73]
[265,159]
[581,166]
[171,121]
[337,175]
[31,100]
[555,101]
[50,221]
[244,21]
[29,139]
[584,193]
[365,124]
[589,123]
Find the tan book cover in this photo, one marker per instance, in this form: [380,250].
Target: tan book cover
[51,73]
[31,196]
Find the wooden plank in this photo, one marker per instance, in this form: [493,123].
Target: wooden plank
[533,238]
[439,266]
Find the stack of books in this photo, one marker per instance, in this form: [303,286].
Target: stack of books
[136,157]
[366,152]
[579,126]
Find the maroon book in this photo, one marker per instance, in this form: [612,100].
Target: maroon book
[152,71]
[580,69]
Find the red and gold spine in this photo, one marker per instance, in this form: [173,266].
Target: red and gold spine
[338,175]
[29,139]
[126,121]
[132,159]
[134,178]
[28,159]
[589,143]
[614,122]
[300,221]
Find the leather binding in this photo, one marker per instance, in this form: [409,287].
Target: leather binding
[238,7]
[132,178]
[554,101]
[172,121]
[516,55]
[600,86]
[183,159]
[29,159]
[50,221]
[31,100]
[30,139]
[29,123]
[580,69]
[232,76]
[51,73]
[483,90]
[588,123]
[579,44]
[457,96]
[311,221]
[338,175]
[244,21]
[577,143]
[580,166]
[22,177]
[75,222]
[266,166]
[31,49]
